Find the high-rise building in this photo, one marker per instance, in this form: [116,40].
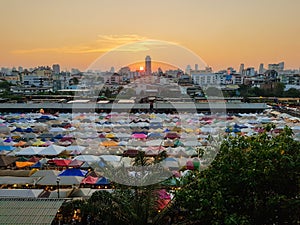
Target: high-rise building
[278,67]
[242,67]
[56,68]
[148,65]
[261,69]
[188,69]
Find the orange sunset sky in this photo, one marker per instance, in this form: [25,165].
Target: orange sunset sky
[76,33]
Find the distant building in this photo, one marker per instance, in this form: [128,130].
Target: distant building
[261,69]
[278,67]
[56,68]
[250,71]
[148,70]
[230,70]
[112,78]
[112,69]
[185,80]
[242,67]
[205,79]
[173,73]
[39,77]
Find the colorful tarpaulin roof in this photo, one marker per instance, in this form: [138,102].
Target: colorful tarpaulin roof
[89,180]
[73,172]
[62,162]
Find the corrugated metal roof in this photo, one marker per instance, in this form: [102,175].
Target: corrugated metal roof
[21,193]
[64,180]
[28,211]
[17,180]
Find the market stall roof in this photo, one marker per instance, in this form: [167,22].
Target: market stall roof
[17,180]
[52,150]
[73,172]
[64,180]
[43,173]
[7,160]
[28,211]
[21,193]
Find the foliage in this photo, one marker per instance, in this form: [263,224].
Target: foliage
[253,180]
[276,89]
[4,85]
[213,92]
[132,205]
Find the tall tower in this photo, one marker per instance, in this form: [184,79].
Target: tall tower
[261,69]
[148,65]
[242,67]
[56,68]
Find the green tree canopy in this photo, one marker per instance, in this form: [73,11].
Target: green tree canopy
[253,180]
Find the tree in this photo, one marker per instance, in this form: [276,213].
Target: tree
[213,92]
[253,180]
[278,89]
[292,92]
[127,204]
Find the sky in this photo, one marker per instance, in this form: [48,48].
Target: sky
[79,34]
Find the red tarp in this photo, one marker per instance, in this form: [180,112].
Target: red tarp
[62,162]
[76,163]
[89,180]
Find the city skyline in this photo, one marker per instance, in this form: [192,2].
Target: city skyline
[224,34]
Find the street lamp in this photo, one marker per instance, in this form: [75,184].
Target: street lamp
[57,182]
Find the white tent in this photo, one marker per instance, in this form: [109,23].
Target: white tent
[52,150]
[111,158]
[87,158]
[30,151]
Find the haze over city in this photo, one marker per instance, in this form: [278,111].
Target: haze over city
[76,33]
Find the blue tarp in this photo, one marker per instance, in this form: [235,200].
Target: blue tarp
[73,172]
[37,165]
[156,125]
[18,129]
[6,148]
[59,136]
[28,130]
[155,135]
[102,181]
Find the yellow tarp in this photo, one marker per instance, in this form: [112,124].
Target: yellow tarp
[24,164]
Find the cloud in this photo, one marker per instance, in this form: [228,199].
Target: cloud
[120,39]
[103,44]
[62,50]
[131,43]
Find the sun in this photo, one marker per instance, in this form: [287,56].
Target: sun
[141,68]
